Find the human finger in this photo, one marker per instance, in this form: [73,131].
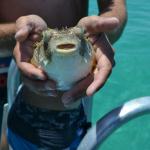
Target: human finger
[45,88]
[97,24]
[99,80]
[104,47]
[22,54]
[23,33]
[31,71]
[105,62]
[78,91]
[35,37]
[28,25]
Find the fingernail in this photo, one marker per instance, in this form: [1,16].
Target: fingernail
[115,20]
[18,35]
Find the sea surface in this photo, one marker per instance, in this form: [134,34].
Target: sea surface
[130,78]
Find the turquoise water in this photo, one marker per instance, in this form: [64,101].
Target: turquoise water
[130,78]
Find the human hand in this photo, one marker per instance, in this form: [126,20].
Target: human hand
[28,29]
[94,27]
[40,87]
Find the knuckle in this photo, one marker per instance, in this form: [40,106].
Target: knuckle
[27,73]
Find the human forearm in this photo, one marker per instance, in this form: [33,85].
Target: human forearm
[7,32]
[114,8]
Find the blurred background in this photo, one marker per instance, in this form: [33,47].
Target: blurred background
[130,78]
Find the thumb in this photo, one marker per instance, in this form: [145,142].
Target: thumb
[97,24]
[22,34]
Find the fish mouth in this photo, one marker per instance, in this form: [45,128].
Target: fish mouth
[66,48]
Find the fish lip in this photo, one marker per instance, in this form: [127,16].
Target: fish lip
[66,51]
[71,49]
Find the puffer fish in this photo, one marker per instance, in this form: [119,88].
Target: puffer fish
[66,56]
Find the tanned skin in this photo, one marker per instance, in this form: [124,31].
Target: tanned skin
[58,14]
